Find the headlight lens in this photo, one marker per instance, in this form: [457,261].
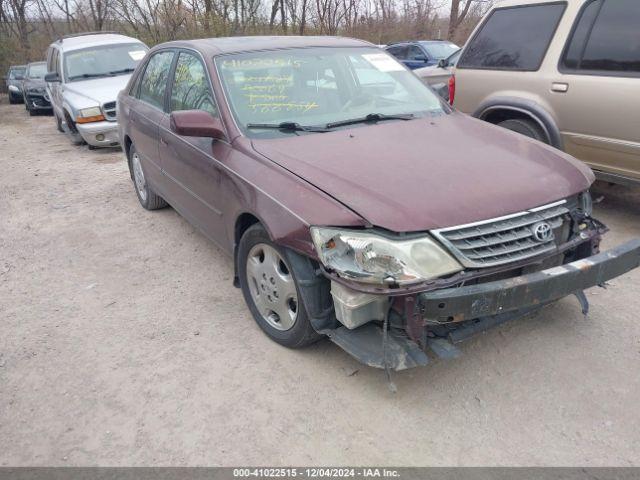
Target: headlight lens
[371,258]
[91,114]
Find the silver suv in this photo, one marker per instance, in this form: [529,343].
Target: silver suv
[85,74]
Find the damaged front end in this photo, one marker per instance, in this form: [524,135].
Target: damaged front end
[510,267]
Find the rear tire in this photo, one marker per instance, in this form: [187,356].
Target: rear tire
[269,285]
[524,127]
[149,199]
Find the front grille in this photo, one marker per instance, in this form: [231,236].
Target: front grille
[506,239]
[109,110]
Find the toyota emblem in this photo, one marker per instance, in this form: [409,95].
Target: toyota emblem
[542,232]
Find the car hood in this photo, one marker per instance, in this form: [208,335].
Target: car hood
[417,175]
[34,82]
[429,69]
[434,71]
[96,90]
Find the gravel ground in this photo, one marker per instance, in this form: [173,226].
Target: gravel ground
[123,342]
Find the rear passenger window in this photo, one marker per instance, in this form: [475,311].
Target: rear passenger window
[606,38]
[514,38]
[153,84]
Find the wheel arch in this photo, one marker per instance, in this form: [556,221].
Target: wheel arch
[243,221]
[126,146]
[503,108]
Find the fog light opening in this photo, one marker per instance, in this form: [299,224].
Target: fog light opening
[100,137]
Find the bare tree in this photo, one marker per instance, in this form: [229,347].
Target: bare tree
[459,11]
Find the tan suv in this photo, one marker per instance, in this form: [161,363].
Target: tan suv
[566,73]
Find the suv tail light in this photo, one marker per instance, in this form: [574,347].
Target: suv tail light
[452,89]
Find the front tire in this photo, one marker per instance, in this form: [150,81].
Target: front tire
[270,289]
[58,122]
[147,197]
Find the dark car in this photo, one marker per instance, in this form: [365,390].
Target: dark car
[422,53]
[34,88]
[15,75]
[354,202]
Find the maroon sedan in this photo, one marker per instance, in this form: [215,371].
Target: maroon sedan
[355,203]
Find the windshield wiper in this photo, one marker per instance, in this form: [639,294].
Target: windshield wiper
[288,126]
[372,117]
[89,75]
[124,70]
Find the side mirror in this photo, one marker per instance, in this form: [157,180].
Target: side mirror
[52,77]
[442,63]
[196,123]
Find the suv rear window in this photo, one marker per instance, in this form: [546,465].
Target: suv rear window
[606,38]
[514,38]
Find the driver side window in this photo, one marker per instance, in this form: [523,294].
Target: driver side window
[190,89]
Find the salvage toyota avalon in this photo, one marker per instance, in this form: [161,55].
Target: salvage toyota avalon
[354,202]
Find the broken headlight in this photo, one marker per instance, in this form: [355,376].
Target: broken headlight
[368,257]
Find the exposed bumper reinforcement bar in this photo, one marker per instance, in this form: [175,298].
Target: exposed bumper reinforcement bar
[527,291]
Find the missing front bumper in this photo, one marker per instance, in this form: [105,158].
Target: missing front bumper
[527,291]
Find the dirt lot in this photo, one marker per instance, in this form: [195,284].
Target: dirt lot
[123,342]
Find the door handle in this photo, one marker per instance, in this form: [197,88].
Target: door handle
[560,87]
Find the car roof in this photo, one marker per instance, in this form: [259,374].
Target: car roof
[409,42]
[94,40]
[224,45]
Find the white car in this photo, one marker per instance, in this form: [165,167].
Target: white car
[85,74]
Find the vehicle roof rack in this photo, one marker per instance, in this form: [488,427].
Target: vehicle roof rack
[99,32]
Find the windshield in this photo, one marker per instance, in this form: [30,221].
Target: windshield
[320,86]
[440,50]
[16,71]
[102,61]
[37,70]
